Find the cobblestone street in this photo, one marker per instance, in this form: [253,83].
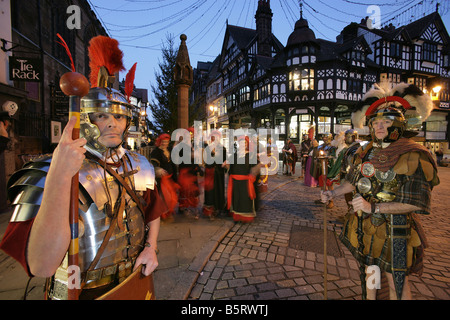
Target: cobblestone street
[280,254]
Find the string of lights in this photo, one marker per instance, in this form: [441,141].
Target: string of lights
[204,20]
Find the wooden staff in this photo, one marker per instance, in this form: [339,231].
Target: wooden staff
[74,85]
[360,234]
[324,159]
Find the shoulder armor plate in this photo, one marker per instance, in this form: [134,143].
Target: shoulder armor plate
[26,187]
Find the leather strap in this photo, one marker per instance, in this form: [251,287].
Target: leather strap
[132,194]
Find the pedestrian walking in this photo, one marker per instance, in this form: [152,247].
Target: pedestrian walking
[189,173]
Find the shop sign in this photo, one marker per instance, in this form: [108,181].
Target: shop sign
[444,105]
[25,69]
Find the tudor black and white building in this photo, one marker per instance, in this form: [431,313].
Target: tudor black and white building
[315,82]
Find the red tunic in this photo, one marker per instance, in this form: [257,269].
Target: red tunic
[15,240]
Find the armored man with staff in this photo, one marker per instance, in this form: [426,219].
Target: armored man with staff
[391,178]
[119,205]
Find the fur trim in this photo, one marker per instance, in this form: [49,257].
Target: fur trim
[411,93]
[339,142]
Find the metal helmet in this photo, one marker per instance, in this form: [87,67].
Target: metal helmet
[328,136]
[398,127]
[105,61]
[351,135]
[405,104]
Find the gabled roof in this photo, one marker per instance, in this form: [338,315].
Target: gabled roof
[417,28]
[214,71]
[352,43]
[402,31]
[244,38]
[411,31]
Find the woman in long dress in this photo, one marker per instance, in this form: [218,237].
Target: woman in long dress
[242,184]
[214,186]
[310,181]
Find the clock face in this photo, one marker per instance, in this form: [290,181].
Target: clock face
[11,107]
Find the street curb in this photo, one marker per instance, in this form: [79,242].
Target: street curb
[190,276]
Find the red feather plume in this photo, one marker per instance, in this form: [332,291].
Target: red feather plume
[129,82]
[64,44]
[104,51]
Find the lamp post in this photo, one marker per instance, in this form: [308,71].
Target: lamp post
[323,158]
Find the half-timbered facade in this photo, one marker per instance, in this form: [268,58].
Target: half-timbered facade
[314,82]
[417,53]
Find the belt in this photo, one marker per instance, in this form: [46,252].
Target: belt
[108,274]
[95,279]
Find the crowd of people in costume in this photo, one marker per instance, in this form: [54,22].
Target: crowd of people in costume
[182,185]
[120,197]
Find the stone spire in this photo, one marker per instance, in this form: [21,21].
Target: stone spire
[184,78]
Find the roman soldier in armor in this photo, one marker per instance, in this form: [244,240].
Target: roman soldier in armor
[353,144]
[119,205]
[391,178]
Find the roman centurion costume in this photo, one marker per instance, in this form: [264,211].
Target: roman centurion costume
[396,169]
[117,195]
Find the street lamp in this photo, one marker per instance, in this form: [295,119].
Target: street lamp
[213,110]
[435,92]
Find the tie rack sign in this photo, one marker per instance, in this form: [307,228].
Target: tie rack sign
[25,69]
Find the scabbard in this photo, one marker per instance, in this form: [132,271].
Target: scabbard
[399,237]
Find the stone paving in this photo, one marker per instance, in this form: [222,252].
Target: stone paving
[258,261]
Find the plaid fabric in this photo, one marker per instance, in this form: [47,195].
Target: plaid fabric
[415,190]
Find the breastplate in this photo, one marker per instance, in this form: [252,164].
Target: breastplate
[375,185]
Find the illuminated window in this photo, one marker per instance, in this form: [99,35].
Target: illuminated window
[302,79]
